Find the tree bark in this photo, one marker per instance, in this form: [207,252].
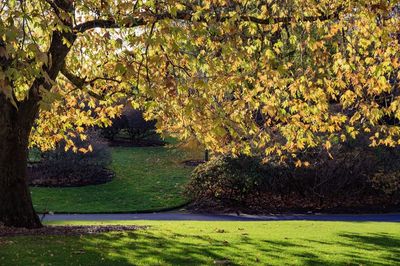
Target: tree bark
[16,207]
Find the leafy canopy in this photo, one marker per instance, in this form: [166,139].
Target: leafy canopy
[255,77]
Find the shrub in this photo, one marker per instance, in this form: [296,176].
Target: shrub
[67,168]
[226,178]
[358,176]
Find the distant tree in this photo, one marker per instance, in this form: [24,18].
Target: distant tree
[110,132]
[133,122]
[138,128]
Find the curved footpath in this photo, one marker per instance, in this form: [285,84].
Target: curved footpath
[171,216]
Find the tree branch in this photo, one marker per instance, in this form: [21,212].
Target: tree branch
[107,24]
[74,79]
[187,15]
[58,5]
[79,82]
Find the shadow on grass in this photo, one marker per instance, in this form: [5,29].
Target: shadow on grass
[180,249]
[148,247]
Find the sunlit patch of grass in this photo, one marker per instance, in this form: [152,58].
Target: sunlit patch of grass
[148,178]
[208,243]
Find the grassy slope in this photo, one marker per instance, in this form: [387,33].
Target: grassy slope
[204,243]
[148,178]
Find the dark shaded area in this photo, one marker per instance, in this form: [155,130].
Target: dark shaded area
[66,230]
[170,216]
[60,168]
[132,130]
[41,176]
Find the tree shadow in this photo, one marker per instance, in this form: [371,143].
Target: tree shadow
[181,249]
[377,241]
[160,249]
[148,247]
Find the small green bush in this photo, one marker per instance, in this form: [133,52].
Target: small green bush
[226,178]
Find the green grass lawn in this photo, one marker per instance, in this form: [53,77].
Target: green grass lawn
[148,178]
[210,243]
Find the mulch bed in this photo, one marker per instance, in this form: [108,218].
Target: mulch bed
[268,203]
[67,230]
[40,176]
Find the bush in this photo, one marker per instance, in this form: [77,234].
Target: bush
[67,168]
[226,178]
[357,177]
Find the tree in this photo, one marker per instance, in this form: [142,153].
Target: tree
[253,77]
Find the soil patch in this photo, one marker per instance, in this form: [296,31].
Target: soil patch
[67,230]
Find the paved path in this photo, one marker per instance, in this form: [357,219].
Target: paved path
[170,216]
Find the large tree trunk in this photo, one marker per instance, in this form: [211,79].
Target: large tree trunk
[16,207]
[15,126]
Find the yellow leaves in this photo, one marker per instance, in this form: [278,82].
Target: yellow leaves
[369,61]
[135,105]
[48,98]
[275,28]
[352,131]
[278,47]
[300,163]
[269,54]
[328,145]
[235,85]
[348,98]
[84,150]
[174,9]
[335,28]
[40,56]
[356,117]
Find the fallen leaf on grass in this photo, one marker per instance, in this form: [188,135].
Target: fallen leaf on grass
[222,262]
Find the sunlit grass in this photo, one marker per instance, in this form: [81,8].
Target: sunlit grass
[209,243]
[148,178]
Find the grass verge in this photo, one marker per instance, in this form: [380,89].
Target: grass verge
[210,243]
[147,179]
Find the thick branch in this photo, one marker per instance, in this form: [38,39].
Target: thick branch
[58,5]
[79,82]
[5,61]
[108,24]
[60,46]
[187,15]
[286,20]
[74,79]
